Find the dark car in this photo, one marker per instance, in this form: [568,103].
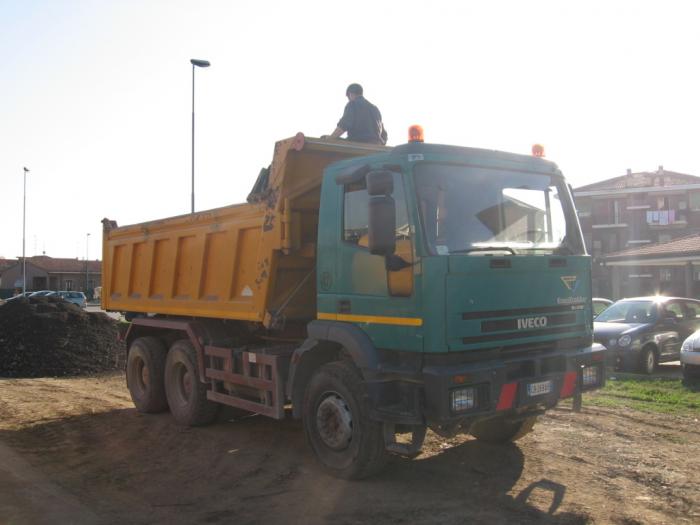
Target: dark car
[641,332]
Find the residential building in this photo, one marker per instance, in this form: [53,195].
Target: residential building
[48,273]
[629,212]
[669,268]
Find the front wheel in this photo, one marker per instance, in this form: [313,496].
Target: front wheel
[337,425]
[498,430]
[647,361]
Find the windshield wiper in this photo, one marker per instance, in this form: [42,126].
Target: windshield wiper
[485,249]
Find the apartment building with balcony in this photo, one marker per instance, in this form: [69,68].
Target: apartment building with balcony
[622,215]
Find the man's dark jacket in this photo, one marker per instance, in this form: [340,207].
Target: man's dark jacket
[363,122]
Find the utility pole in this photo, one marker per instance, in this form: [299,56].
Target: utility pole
[87,261]
[195,63]
[24,230]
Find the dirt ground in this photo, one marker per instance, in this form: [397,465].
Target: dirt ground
[74,450]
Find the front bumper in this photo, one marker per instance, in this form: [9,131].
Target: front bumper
[690,358]
[503,385]
[499,386]
[623,357]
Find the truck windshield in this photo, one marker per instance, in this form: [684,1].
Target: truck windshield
[479,210]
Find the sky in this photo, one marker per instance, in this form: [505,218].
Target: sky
[96,96]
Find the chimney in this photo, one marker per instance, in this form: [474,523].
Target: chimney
[629,172]
[661,169]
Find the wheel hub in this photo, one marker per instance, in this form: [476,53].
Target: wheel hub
[334,422]
[145,376]
[184,383]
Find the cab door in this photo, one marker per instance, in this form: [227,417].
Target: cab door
[374,291]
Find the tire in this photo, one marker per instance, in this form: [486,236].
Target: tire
[145,370]
[690,372]
[187,395]
[337,425]
[499,431]
[647,360]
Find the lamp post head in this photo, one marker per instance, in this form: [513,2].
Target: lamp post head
[26,170]
[199,63]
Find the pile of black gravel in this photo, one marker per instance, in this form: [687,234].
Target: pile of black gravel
[48,336]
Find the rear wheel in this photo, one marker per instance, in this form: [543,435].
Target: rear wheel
[647,360]
[145,369]
[337,425]
[498,430]
[187,395]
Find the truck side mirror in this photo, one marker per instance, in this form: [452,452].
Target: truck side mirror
[380,182]
[382,212]
[382,225]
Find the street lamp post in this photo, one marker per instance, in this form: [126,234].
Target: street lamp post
[24,226]
[195,63]
[87,261]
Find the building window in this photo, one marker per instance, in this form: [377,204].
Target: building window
[696,274]
[665,274]
[664,237]
[583,206]
[597,247]
[608,211]
[69,284]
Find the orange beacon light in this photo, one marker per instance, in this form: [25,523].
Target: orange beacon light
[415,133]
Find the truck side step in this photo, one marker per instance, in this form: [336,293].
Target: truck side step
[248,380]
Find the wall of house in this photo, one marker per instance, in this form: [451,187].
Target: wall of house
[36,277]
[612,223]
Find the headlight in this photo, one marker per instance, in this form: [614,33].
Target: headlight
[590,375]
[463,399]
[625,340]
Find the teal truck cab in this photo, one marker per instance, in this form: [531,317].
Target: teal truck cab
[458,282]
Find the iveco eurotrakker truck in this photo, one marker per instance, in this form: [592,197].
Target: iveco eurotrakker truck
[373,292]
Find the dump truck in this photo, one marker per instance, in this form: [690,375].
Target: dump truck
[372,292]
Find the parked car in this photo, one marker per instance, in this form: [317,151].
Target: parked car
[25,294]
[690,357]
[41,293]
[599,305]
[72,297]
[641,332]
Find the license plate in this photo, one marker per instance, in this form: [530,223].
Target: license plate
[537,389]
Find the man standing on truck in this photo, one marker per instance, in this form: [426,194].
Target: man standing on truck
[361,119]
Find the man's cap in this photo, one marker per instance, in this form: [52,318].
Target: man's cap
[355,89]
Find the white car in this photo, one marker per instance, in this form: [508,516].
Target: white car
[690,357]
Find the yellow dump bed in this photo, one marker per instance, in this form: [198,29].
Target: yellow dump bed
[252,261]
